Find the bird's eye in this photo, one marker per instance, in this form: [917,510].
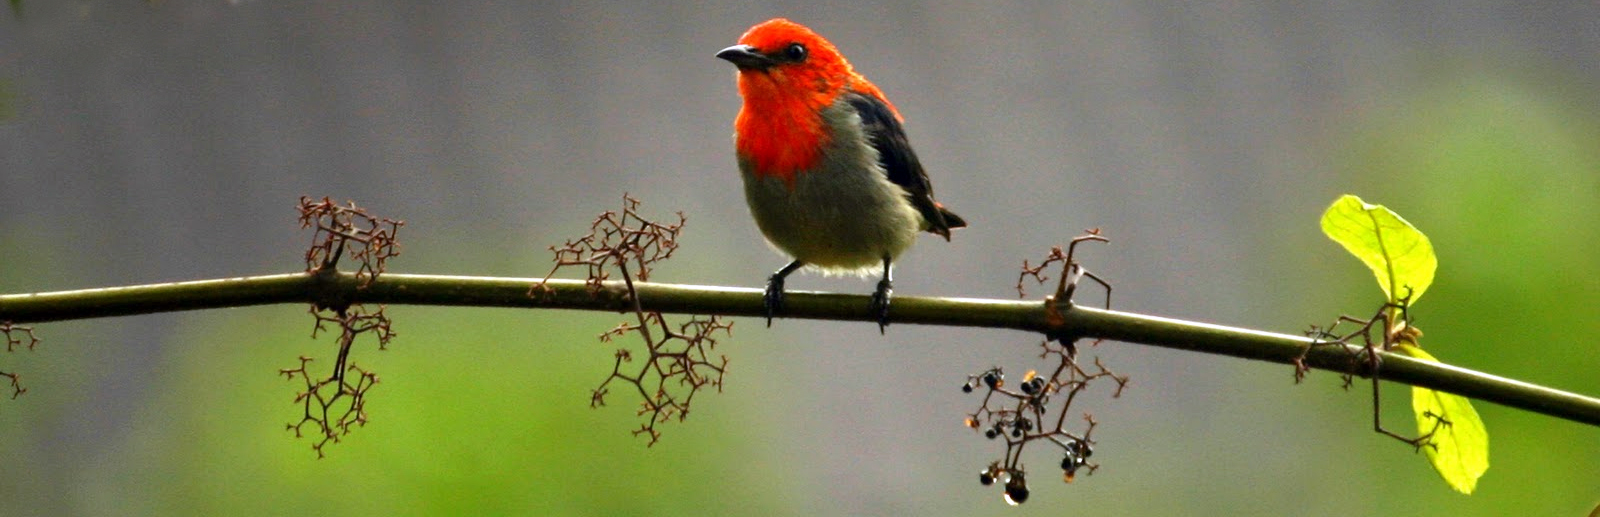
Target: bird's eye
[794,52]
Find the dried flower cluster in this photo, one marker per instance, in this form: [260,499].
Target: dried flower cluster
[622,241]
[334,404]
[341,229]
[17,336]
[677,361]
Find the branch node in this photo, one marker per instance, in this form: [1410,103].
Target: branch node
[334,404]
[1392,324]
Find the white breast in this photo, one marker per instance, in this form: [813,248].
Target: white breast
[845,215]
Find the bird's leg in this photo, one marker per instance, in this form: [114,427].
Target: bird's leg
[880,298]
[773,301]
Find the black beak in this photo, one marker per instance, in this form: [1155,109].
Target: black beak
[745,57]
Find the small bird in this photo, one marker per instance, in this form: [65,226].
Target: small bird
[828,173]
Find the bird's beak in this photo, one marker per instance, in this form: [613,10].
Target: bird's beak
[745,57]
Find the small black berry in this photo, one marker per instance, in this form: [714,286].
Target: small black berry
[1070,463]
[1016,489]
[985,478]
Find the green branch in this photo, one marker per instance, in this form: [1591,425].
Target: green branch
[1030,316]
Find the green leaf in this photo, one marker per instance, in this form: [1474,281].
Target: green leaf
[1460,451]
[1399,255]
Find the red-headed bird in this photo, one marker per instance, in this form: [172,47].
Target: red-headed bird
[828,173]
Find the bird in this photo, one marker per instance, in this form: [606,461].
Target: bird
[829,175]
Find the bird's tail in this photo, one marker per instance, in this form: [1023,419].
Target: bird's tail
[951,220]
[945,221]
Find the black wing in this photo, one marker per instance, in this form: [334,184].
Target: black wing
[894,152]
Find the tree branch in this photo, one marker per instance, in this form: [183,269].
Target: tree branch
[1030,316]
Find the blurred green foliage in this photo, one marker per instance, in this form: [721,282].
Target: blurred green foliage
[478,412]
[1501,170]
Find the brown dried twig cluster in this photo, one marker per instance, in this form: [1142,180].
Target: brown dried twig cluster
[1071,270]
[676,363]
[1392,322]
[1036,408]
[17,336]
[370,240]
[677,367]
[618,240]
[334,404]
[1390,327]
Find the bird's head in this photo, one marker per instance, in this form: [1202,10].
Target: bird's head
[788,75]
[781,59]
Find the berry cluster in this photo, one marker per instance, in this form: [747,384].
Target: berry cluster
[1022,415]
[1077,457]
[1016,483]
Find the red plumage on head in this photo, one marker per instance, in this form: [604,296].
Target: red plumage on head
[780,127]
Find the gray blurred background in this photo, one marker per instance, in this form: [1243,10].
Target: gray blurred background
[149,142]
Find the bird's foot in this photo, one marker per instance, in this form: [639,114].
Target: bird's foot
[773,300]
[880,304]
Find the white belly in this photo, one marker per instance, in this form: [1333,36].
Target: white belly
[838,220]
[844,215]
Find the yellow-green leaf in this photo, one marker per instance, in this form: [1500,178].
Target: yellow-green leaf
[1460,451]
[1399,255]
